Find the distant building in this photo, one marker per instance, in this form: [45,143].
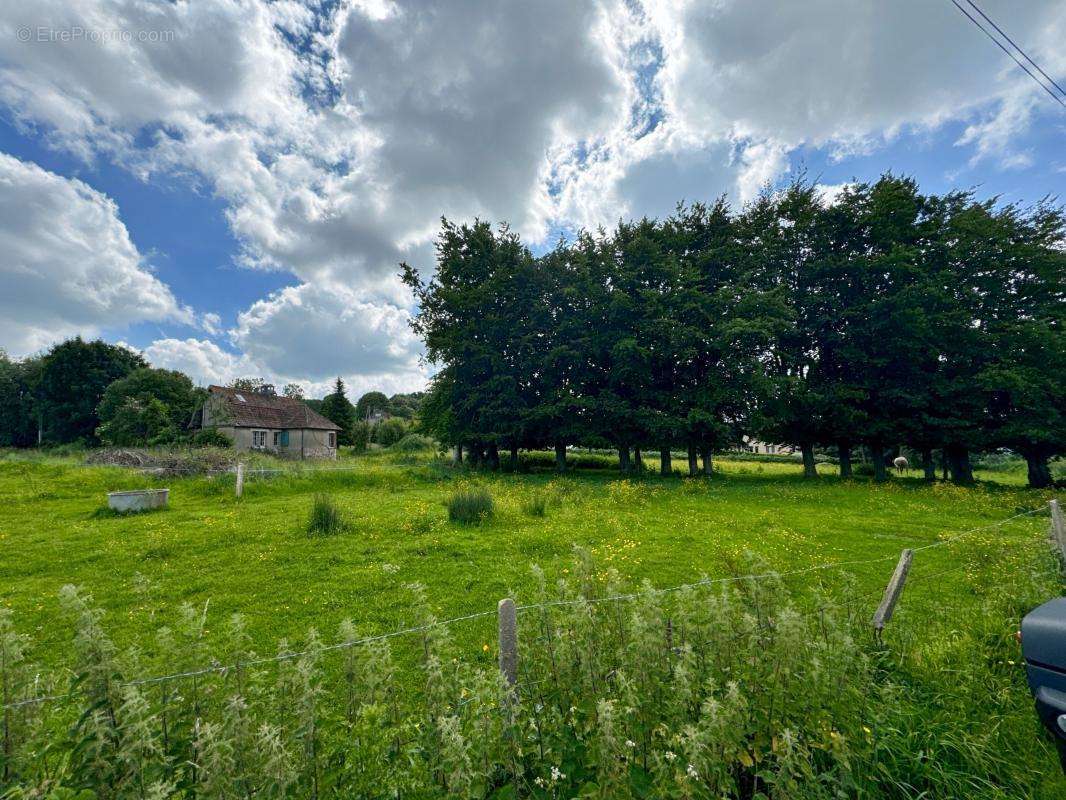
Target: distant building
[267,422]
[377,415]
[765,448]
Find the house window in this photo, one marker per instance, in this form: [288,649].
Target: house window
[332,439]
[259,439]
[277,438]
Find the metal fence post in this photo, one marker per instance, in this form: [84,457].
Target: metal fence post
[893,591]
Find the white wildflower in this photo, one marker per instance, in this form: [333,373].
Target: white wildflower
[691,772]
[670,756]
[630,743]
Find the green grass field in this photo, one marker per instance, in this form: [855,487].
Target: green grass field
[253,556]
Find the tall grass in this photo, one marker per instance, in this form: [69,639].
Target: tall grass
[535,504]
[325,518]
[471,506]
[735,690]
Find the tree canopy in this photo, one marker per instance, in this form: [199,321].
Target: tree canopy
[886,318]
[74,376]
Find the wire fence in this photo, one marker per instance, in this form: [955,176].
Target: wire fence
[848,602]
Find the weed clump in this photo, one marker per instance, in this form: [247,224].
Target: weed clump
[470,506]
[325,518]
[536,505]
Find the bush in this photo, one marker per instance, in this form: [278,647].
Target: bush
[360,436]
[211,437]
[389,432]
[413,443]
[325,518]
[470,506]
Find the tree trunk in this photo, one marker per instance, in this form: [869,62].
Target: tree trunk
[1039,472]
[943,465]
[665,463]
[560,457]
[844,456]
[473,454]
[492,455]
[928,465]
[693,464]
[708,462]
[958,458]
[623,460]
[877,455]
[459,453]
[514,458]
[809,469]
[638,460]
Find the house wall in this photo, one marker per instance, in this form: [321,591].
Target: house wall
[315,443]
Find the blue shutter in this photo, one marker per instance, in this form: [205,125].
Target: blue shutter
[284,438]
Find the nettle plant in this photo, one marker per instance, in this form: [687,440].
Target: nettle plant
[716,690]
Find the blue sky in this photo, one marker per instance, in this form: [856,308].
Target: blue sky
[228,185]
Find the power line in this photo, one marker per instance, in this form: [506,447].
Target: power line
[1014,58]
[1015,46]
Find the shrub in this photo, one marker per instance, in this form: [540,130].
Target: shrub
[360,436]
[325,518]
[470,506]
[536,505]
[413,443]
[211,437]
[389,432]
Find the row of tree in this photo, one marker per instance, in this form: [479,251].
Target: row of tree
[886,317]
[94,392]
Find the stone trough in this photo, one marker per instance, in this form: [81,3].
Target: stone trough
[138,500]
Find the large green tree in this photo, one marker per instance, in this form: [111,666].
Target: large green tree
[19,408]
[474,318]
[132,397]
[1024,322]
[74,376]
[370,403]
[338,409]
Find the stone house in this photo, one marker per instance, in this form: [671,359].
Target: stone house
[267,422]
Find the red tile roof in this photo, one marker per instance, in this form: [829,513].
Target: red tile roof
[253,410]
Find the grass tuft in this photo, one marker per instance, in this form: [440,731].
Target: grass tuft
[326,518]
[535,505]
[470,506]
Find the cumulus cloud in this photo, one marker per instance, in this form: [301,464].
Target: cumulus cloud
[308,330]
[68,264]
[845,73]
[337,134]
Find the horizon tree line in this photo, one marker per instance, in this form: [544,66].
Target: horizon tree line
[887,317]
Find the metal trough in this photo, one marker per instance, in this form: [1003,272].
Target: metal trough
[139,500]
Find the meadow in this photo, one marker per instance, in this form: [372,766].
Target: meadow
[962,716]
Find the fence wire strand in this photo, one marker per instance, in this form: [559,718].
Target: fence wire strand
[288,656]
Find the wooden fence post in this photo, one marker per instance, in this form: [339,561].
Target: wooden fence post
[893,591]
[1058,528]
[508,639]
[240,478]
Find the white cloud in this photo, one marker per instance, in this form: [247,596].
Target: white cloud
[338,134]
[844,73]
[68,263]
[316,331]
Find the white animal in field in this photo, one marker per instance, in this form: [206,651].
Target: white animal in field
[900,463]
